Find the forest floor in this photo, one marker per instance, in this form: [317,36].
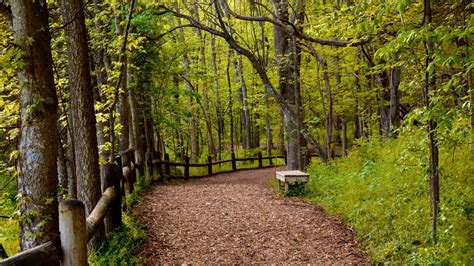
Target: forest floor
[238,218]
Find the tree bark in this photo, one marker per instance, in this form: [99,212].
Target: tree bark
[38,147]
[210,138]
[71,162]
[430,86]
[244,115]
[82,104]
[344,135]
[356,114]
[231,103]
[268,128]
[99,81]
[135,122]
[286,81]
[62,168]
[395,79]
[217,105]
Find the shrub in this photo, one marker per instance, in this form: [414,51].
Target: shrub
[381,189]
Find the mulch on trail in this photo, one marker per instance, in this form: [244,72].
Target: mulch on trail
[238,218]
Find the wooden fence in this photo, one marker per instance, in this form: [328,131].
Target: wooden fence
[163,166]
[76,229]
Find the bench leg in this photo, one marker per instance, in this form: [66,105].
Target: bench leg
[279,185]
[286,187]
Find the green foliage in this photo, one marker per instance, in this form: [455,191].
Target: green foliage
[382,191]
[296,189]
[9,229]
[121,245]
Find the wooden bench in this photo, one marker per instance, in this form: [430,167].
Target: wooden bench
[291,177]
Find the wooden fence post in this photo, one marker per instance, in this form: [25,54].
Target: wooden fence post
[159,166]
[167,165]
[260,162]
[186,167]
[209,165]
[234,164]
[72,225]
[116,208]
[286,157]
[109,176]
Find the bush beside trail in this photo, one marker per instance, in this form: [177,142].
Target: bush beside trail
[381,190]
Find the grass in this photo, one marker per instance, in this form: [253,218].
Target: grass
[122,245]
[381,190]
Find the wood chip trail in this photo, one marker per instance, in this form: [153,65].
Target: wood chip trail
[237,218]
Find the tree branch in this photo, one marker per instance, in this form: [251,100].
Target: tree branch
[291,28]
[226,35]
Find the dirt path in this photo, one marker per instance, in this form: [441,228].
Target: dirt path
[237,218]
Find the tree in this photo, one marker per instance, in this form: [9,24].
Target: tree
[430,86]
[37,166]
[82,105]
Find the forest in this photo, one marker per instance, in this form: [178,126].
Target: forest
[373,98]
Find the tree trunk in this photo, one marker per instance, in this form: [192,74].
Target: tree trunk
[245,115]
[71,162]
[211,149]
[231,103]
[82,105]
[471,89]
[344,135]
[356,115]
[394,99]
[281,135]
[99,81]
[219,120]
[135,121]
[193,134]
[433,141]
[286,54]
[268,129]
[38,148]
[123,108]
[150,142]
[385,105]
[62,168]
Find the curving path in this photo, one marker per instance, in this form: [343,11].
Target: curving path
[238,218]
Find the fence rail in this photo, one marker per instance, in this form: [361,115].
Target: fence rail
[164,166]
[75,228]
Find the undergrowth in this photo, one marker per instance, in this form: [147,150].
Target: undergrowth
[381,190]
[121,246]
